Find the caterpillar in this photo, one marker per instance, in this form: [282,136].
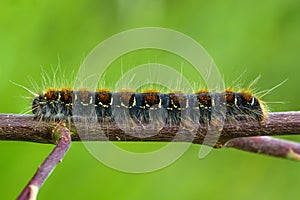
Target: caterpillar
[146,107]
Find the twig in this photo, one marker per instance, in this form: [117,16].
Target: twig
[268,146]
[26,128]
[239,134]
[62,146]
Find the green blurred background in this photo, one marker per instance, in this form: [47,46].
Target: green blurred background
[255,37]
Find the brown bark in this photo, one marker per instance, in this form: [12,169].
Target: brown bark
[26,128]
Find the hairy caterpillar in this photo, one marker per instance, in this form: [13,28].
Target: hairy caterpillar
[56,104]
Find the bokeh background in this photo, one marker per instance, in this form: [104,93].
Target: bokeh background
[250,37]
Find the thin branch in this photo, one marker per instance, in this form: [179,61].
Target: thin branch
[56,156]
[26,128]
[267,146]
[239,134]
